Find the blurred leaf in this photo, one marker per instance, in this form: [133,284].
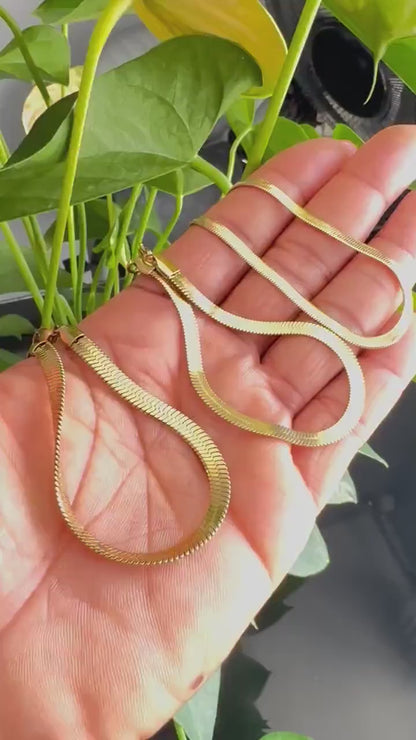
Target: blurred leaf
[285,736]
[286,133]
[49,50]
[387,28]
[198,716]
[242,682]
[314,557]
[15,326]
[369,452]
[121,146]
[310,131]
[69,11]
[342,132]
[7,359]
[10,279]
[276,607]
[346,493]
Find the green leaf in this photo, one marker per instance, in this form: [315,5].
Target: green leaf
[7,359]
[387,28]
[198,716]
[368,451]
[342,132]
[96,212]
[346,493]
[240,115]
[49,49]
[314,557]
[15,326]
[285,134]
[70,11]
[122,145]
[193,182]
[285,736]
[310,131]
[10,278]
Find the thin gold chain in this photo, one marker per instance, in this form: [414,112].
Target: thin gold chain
[183,294]
[203,446]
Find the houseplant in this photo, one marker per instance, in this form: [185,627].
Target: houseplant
[57,149]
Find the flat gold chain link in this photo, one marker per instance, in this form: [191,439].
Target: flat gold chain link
[203,446]
[183,294]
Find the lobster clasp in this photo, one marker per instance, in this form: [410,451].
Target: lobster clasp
[144,264]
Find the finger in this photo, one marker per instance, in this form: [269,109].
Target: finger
[363,296]
[387,372]
[301,171]
[353,201]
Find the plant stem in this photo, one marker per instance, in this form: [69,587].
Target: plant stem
[22,265]
[72,252]
[233,151]
[212,173]
[82,258]
[179,731]
[297,44]
[161,243]
[113,275]
[141,229]
[108,19]
[91,302]
[20,40]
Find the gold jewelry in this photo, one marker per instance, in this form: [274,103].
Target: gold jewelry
[256,263]
[176,285]
[44,349]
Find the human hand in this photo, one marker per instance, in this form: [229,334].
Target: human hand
[93,649]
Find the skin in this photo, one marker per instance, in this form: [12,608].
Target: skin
[93,649]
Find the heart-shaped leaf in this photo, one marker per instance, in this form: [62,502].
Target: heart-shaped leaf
[342,132]
[387,28]
[7,359]
[49,50]
[286,133]
[198,716]
[15,326]
[146,119]
[368,451]
[314,557]
[346,493]
[70,11]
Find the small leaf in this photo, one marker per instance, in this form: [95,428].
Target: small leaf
[314,557]
[346,493]
[286,133]
[121,146]
[7,359]
[310,131]
[198,716]
[285,736]
[15,326]
[70,11]
[369,452]
[50,52]
[387,28]
[342,132]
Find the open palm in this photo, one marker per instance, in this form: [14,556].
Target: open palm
[93,649]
